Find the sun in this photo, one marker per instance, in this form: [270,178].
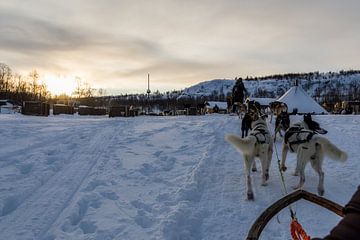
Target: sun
[57,84]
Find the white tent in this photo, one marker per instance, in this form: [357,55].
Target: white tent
[296,97]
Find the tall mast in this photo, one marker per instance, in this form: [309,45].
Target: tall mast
[148,90]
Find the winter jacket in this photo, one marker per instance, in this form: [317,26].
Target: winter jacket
[238,92]
[349,227]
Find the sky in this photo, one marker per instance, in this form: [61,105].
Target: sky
[114,44]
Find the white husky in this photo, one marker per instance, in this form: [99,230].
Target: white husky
[309,147]
[258,143]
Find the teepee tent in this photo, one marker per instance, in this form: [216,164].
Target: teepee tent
[297,98]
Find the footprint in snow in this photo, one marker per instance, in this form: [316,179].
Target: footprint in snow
[141,205]
[88,227]
[110,195]
[143,220]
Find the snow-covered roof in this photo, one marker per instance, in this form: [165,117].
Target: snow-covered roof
[264,101]
[296,97]
[221,105]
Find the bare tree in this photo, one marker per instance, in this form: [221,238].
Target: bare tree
[5,78]
[34,77]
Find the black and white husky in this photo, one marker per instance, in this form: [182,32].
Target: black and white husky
[258,143]
[303,139]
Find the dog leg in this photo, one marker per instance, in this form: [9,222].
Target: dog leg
[321,189]
[297,168]
[254,169]
[277,129]
[316,162]
[264,169]
[280,132]
[284,152]
[300,167]
[248,162]
[268,160]
[275,135]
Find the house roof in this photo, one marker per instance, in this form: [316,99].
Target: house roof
[221,105]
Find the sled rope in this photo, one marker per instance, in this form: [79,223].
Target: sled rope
[296,230]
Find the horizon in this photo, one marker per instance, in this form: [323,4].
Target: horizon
[114,45]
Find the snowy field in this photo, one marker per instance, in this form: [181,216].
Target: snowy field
[75,177]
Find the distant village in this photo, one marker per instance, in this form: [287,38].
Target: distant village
[26,95]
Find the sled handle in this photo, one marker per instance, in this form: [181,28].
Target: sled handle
[271,211]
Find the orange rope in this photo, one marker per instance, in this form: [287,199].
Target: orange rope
[297,232]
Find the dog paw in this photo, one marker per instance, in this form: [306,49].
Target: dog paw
[283,168]
[266,176]
[254,169]
[250,196]
[321,192]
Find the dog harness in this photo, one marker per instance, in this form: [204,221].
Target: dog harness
[297,130]
[263,133]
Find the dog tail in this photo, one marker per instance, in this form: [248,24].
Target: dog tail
[331,150]
[245,145]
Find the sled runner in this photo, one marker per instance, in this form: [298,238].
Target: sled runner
[271,211]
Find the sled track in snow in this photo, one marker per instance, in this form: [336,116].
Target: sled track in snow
[27,222]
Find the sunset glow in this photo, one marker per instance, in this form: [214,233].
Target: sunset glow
[60,84]
[115,44]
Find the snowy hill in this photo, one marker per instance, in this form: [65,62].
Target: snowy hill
[317,85]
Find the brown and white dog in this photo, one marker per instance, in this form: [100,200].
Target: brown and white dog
[303,139]
[258,143]
[276,108]
[282,123]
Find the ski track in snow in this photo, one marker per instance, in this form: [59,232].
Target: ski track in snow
[72,177]
[37,210]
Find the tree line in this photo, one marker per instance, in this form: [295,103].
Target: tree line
[21,88]
[28,87]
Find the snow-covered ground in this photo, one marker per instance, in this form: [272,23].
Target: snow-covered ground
[75,177]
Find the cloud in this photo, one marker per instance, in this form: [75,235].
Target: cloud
[116,43]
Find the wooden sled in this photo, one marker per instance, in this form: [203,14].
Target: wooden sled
[271,211]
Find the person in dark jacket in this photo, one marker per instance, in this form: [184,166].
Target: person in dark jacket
[216,109]
[238,92]
[349,227]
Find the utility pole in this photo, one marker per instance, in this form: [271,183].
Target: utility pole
[148,93]
[148,90]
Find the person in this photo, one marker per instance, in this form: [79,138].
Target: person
[216,109]
[238,93]
[349,227]
[229,103]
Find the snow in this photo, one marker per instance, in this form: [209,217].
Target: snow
[82,177]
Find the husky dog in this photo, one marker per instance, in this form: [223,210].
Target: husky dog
[304,140]
[245,125]
[258,143]
[276,108]
[282,123]
[240,109]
